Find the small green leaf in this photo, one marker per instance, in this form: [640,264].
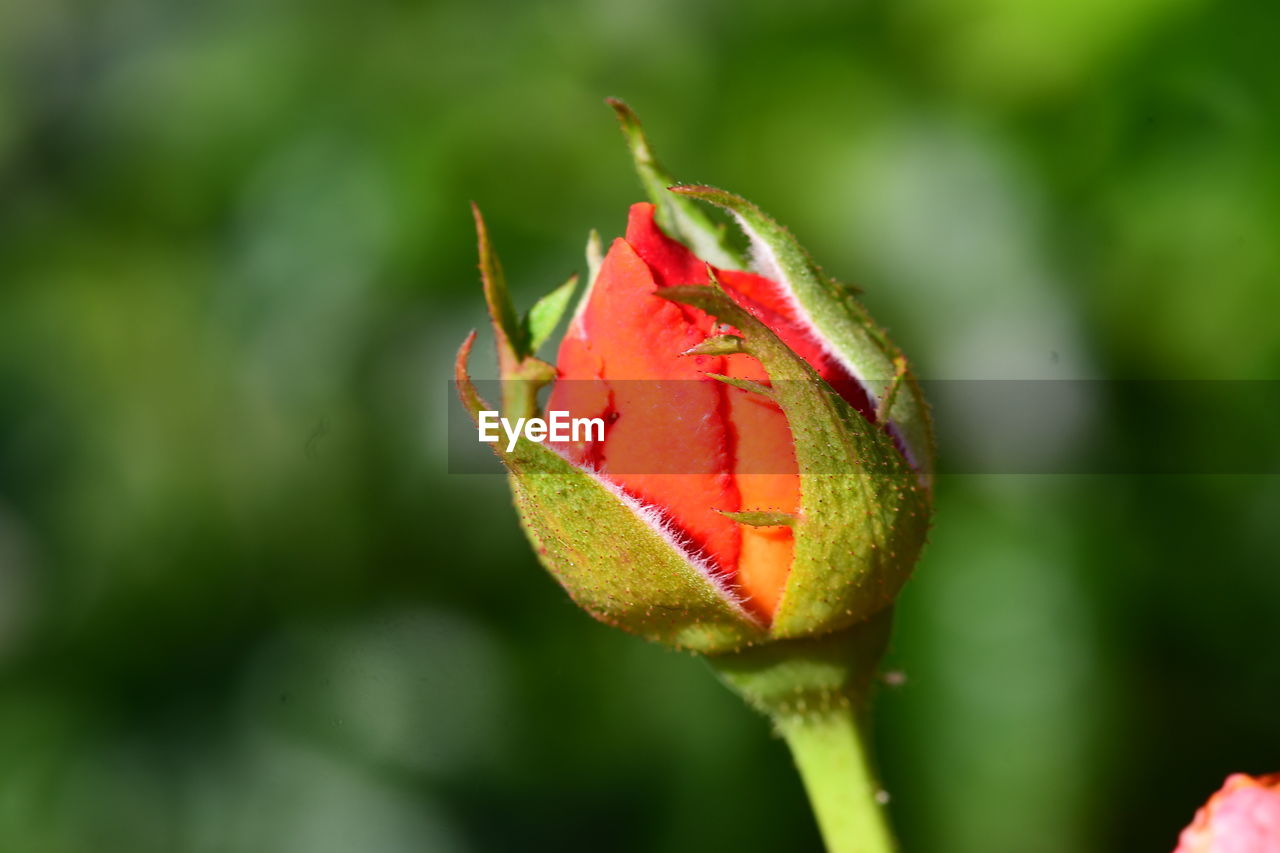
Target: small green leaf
[543,317]
[748,385]
[680,218]
[717,345]
[761,519]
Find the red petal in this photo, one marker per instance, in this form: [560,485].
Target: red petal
[670,261]
[666,442]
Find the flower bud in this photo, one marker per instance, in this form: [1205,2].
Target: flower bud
[1243,817]
[765,466]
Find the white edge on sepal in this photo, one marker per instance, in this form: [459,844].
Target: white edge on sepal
[765,262]
[763,258]
[657,521]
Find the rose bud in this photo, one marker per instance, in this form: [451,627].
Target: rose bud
[765,467]
[1243,817]
[759,487]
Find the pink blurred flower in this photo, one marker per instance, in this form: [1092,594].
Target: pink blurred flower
[1243,817]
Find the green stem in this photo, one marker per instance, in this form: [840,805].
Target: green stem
[831,753]
[816,691]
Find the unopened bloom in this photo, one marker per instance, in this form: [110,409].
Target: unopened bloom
[703,451]
[765,469]
[1242,817]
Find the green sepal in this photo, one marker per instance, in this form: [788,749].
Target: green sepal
[755,518]
[545,314]
[611,556]
[523,375]
[840,322]
[509,332]
[863,511]
[680,218]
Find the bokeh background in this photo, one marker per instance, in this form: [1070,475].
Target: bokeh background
[245,607]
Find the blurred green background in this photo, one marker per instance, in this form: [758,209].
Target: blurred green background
[243,605]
